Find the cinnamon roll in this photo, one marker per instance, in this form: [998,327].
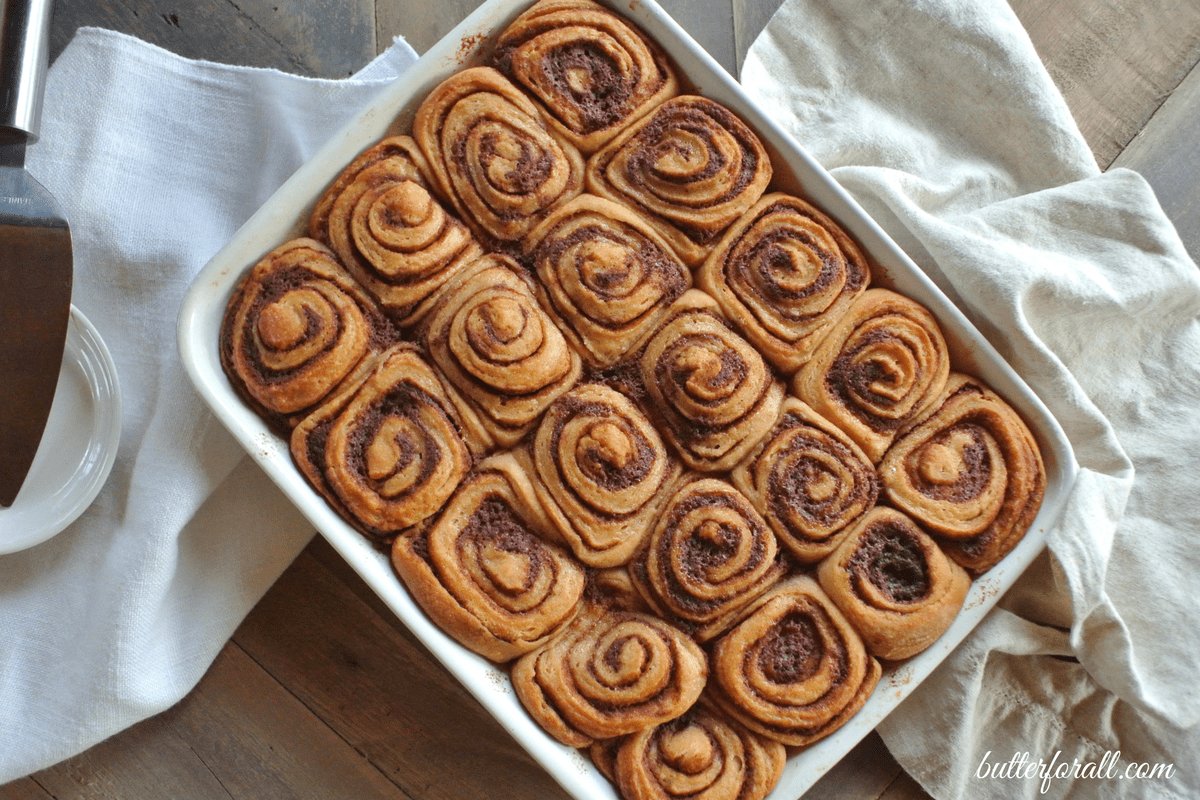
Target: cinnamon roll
[604,473]
[610,673]
[894,584]
[970,472]
[390,233]
[877,369]
[493,155]
[390,451]
[711,392]
[296,328]
[703,755]
[783,274]
[793,669]
[809,481]
[482,570]
[490,337]
[605,276]
[593,72]
[691,167]
[709,555]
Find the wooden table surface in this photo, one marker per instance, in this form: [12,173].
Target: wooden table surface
[322,692]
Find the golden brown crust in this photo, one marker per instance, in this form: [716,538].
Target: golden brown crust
[592,71]
[793,669]
[493,155]
[605,276]
[809,481]
[970,471]
[296,328]
[691,167]
[389,451]
[610,673]
[493,341]
[482,571]
[390,232]
[602,471]
[712,394]
[894,584]
[703,755]
[882,365]
[784,274]
[709,556]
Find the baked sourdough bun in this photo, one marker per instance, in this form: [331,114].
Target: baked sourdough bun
[494,156]
[296,330]
[691,167]
[592,72]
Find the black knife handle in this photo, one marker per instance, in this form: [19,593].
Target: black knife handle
[24,55]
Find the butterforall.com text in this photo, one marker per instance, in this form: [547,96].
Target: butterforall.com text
[1023,767]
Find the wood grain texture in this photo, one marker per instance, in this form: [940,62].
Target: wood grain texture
[356,667]
[422,24]
[904,787]
[1164,152]
[1114,62]
[317,38]
[239,734]
[24,789]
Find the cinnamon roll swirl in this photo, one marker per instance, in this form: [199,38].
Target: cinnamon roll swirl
[709,555]
[809,481]
[970,472]
[603,471]
[389,452]
[783,274]
[610,673]
[894,584]
[877,369]
[793,669]
[691,167]
[490,337]
[592,72]
[296,328]
[605,276]
[493,155]
[483,571]
[703,755]
[390,233]
[711,392]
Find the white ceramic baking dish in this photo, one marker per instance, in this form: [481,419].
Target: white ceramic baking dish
[284,216]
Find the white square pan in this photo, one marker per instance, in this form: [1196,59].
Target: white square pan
[284,216]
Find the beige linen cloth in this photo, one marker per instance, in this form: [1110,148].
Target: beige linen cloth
[939,118]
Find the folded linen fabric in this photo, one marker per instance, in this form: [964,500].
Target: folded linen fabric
[942,122]
[157,160]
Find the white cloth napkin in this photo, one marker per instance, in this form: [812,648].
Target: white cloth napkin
[157,160]
[938,116]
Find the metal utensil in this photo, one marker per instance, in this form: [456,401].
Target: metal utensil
[35,250]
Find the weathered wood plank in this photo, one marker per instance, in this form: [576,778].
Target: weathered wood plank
[320,38]
[1165,152]
[239,735]
[710,22]
[1114,62]
[24,789]
[382,692]
[865,772]
[904,788]
[422,24]
[749,19]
